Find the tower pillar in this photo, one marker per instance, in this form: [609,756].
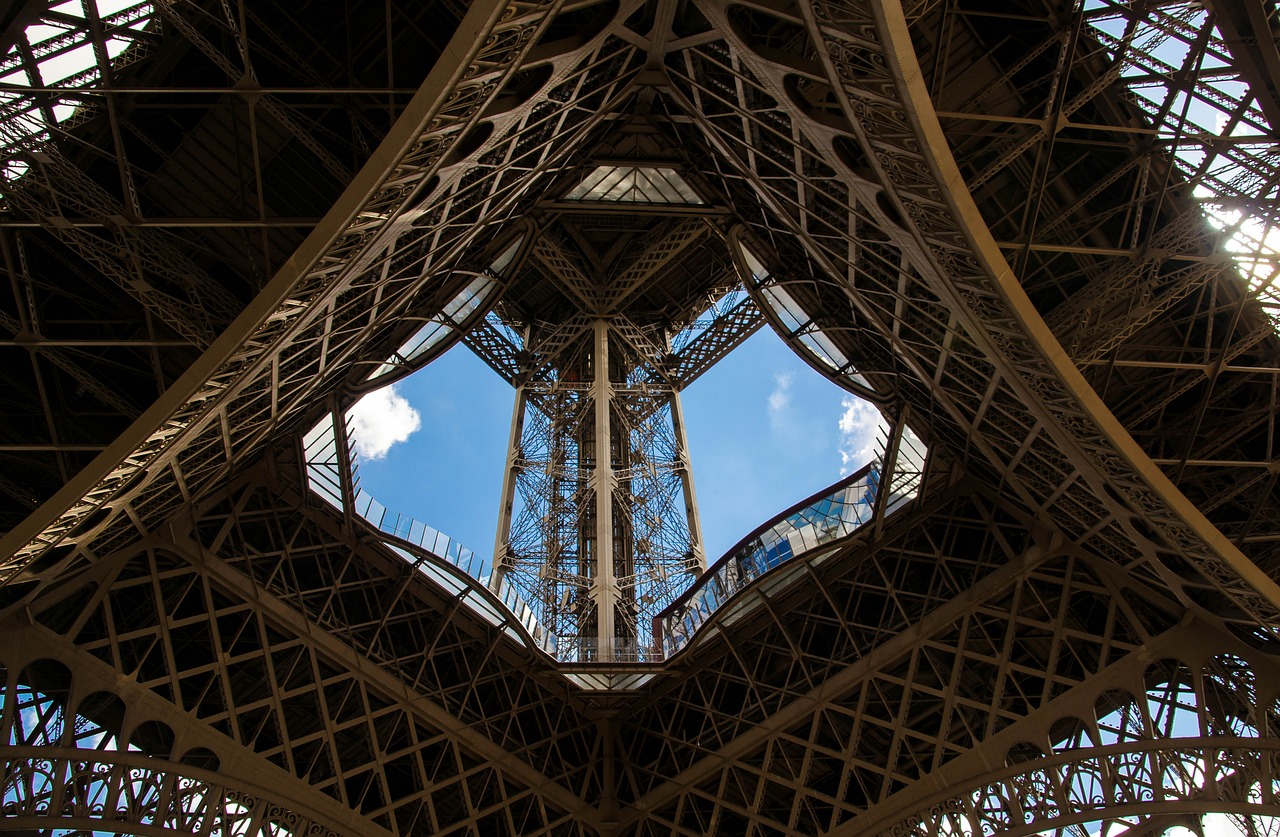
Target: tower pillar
[502,557]
[604,583]
[697,554]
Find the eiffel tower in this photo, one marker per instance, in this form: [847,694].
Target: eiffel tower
[1037,236]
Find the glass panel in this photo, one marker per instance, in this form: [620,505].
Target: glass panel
[320,446]
[469,299]
[635,184]
[823,349]
[788,310]
[805,532]
[438,328]
[500,263]
[758,271]
[590,188]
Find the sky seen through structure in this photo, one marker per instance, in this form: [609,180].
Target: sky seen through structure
[765,431]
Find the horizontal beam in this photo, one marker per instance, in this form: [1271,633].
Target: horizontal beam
[43,343]
[1207,368]
[1063,124]
[165,223]
[1270,465]
[46,448]
[666,210]
[1112,252]
[106,89]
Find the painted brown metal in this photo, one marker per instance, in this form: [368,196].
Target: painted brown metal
[993,212]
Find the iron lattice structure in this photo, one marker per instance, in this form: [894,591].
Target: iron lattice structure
[550,552]
[1038,234]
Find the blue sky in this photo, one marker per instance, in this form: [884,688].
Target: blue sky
[765,431]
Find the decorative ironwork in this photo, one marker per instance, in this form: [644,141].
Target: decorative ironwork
[1039,235]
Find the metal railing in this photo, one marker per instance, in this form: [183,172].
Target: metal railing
[324,476]
[831,515]
[586,649]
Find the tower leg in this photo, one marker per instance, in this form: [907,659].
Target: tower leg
[502,546]
[697,554]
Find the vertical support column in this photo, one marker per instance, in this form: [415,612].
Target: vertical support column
[888,468]
[699,557]
[604,586]
[608,529]
[503,540]
[344,455]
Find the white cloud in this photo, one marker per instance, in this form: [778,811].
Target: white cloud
[859,424]
[381,419]
[779,399]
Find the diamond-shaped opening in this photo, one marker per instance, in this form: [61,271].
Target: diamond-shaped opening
[650,258]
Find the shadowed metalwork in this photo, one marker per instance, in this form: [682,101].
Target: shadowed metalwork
[1038,236]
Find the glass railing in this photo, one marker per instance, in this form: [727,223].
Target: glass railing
[419,534]
[437,543]
[830,515]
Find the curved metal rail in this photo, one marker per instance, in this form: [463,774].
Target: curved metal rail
[329,472]
[806,530]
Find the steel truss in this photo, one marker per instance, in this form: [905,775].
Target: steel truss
[1025,244]
[338,685]
[598,471]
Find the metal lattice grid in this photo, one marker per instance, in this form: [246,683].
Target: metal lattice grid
[550,531]
[996,215]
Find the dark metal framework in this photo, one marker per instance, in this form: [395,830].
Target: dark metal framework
[1040,234]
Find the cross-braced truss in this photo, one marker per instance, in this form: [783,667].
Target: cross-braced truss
[554,516]
[1039,233]
[590,442]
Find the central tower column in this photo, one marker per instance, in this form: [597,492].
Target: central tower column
[605,324]
[598,522]
[604,584]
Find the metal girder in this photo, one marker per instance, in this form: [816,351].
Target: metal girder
[68,363]
[1010,231]
[606,529]
[564,269]
[493,347]
[725,333]
[666,244]
[201,747]
[1249,28]
[1134,713]
[292,307]
[65,125]
[928,698]
[962,280]
[244,75]
[263,653]
[152,794]
[135,272]
[1043,591]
